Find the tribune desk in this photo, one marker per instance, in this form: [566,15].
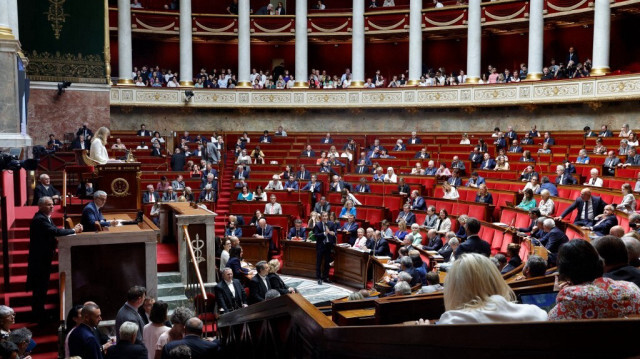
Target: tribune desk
[350,266]
[201,228]
[102,266]
[299,258]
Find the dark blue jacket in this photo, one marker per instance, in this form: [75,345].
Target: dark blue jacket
[474,244]
[90,215]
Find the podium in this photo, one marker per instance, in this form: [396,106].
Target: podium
[350,266]
[102,266]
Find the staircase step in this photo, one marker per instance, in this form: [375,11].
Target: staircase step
[22,299]
[169,277]
[21,268]
[175,301]
[170,289]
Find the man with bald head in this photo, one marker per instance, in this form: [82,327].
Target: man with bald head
[633,250]
[45,189]
[588,208]
[42,246]
[605,223]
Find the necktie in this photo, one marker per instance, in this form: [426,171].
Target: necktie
[593,181]
[361,169]
[361,188]
[584,211]
[151,199]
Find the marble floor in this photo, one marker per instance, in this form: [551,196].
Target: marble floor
[314,293]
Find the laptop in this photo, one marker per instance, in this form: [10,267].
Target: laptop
[543,300]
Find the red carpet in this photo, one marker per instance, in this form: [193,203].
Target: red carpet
[167,257]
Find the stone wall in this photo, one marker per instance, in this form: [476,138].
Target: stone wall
[50,113]
[552,118]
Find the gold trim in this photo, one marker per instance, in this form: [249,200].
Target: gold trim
[357,84]
[600,71]
[244,85]
[186,84]
[508,17]
[126,82]
[56,16]
[413,82]
[301,85]
[6,33]
[117,190]
[472,80]
[533,77]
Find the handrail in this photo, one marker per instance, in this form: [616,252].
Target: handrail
[5,243]
[62,328]
[187,239]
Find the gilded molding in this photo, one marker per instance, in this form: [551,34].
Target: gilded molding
[45,66]
[56,16]
[590,89]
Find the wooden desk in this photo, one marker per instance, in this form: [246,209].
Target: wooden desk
[102,266]
[299,258]
[254,249]
[201,228]
[364,316]
[350,267]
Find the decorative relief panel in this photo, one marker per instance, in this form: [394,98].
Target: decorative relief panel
[588,89]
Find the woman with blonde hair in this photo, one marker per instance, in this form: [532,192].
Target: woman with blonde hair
[274,279]
[98,151]
[475,292]
[628,204]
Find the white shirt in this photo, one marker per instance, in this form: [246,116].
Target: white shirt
[546,208]
[361,243]
[172,84]
[231,288]
[596,183]
[495,310]
[452,194]
[98,152]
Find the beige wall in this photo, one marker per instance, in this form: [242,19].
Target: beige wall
[552,118]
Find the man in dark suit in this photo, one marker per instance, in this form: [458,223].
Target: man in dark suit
[563,177]
[265,138]
[633,159]
[572,58]
[422,154]
[588,206]
[156,151]
[265,231]
[363,187]
[150,195]
[362,167]
[406,215]
[42,246]
[45,189]
[200,348]
[240,173]
[616,259]
[229,293]
[417,202]
[129,311]
[178,160]
[327,139]
[325,234]
[605,132]
[338,184]
[380,246]
[588,132]
[515,147]
[553,239]
[308,152]
[500,142]
[604,222]
[82,340]
[488,163]
[548,139]
[313,186]
[84,131]
[610,164]
[448,248]
[434,242]
[259,284]
[473,244]
[143,131]
[350,229]
[169,195]
[297,231]
[414,140]
[79,143]
[455,179]
[475,157]
[127,348]
[92,213]
[303,174]
[208,194]
[511,134]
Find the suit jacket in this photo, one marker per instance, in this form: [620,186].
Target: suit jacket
[626,273]
[178,162]
[292,185]
[306,153]
[549,187]
[515,149]
[128,314]
[602,227]
[200,348]
[512,135]
[327,140]
[324,241]
[420,155]
[381,248]
[550,141]
[319,208]
[127,350]
[257,289]
[410,218]
[40,192]
[597,203]
[306,175]
[334,185]
[156,152]
[293,232]
[272,208]
[414,141]
[399,148]
[430,171]
[455,181]
[213,184]
[225,300]
[203,195]
[145,197]
[513,263]
[487,199]
[445,251]
[177,184]
[353,231]
[475,157]
[488,164]
[237,174]
[566,179]
[418,204]
[474,244]
[170,197]
[90,215]
[84,131]
[361,188]
[527,141]
[633,161]
[362,169]
[267,232]
[143,133]
[477,182]
[277,283]
[552,242]
[606,133]
[316,187]
[611,162]
[77,144]
[84,343]
[265,139]
[42,245]
[434,244]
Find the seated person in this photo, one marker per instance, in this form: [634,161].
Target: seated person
[604,222]
[513,252]
[594,180]
[430,170]
[483,195]
[348,210]
[616,259]
[169,195]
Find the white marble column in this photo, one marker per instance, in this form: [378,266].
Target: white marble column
[601,40]
[357,44]
[125,53]
[302,50]
[186,45]
[5,25]
[244,45]
[415,42]
[536,36]
[474,35]
[13,17]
